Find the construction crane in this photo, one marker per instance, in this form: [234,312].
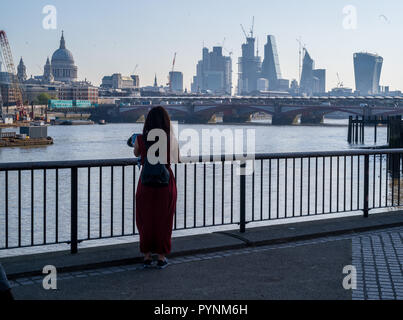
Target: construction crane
[224,48]
[251,29]
[1,99]
[244,32]
[172,73]
[301,48]
[340,83]
[230,53]
[7,58]
[135,68]
[1,105]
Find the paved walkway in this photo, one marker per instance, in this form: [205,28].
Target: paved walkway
[378,258]
[310,269]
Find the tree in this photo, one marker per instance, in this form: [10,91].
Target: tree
[43,99]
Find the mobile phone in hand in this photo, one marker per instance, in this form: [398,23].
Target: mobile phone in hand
[131,141]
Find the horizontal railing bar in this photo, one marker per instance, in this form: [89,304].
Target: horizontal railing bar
[67,164]
[198,159]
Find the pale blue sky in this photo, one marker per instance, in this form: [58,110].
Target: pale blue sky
[114,36]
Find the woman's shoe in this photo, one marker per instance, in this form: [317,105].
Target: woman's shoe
[162,264]
[147,264]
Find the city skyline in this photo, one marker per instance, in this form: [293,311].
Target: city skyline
[97,53]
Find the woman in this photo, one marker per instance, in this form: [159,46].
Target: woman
[155,206]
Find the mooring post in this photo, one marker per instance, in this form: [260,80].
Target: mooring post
[388,129]
[394,143]
[350,123]
[356,129]
[352,131]
[362,130]
[375,130]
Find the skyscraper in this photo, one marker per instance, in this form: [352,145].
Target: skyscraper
[313,81]
[249,68]
[367,70]
[319,80]
[213,72]
[271,66]
[306,82]
[176,80]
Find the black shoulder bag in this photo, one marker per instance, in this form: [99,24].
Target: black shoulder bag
[154,175]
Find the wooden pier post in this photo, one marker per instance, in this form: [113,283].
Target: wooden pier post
[375,131]
[395,142]
[350,123]
[356,129]
[363,130]
[388,129]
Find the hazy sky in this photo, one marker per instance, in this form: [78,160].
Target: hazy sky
[114,36]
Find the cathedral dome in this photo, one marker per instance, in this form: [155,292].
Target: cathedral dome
[62,55]
[63,67]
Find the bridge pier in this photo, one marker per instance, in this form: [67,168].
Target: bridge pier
[311,118]
[199,118]
[279,119]
[236,118]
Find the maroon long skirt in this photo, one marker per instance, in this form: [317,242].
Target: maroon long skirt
[155,210]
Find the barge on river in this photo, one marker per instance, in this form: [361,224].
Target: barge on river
[28,137]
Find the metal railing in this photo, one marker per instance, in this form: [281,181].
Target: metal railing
[70,202]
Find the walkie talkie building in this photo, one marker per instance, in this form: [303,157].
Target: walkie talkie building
[367,69]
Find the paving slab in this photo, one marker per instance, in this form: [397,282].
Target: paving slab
[115,255]
[310,272]
[127,254]
[320,228]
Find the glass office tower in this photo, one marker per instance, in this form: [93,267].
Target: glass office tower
[367,70]
[271,65]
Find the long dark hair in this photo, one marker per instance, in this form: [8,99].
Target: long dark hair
[157,118]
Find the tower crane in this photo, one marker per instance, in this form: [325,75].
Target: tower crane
[135,68]
[251,29]
[172,73]
[7,58]
[340,83]
[301,48]
[244,32]
[1,106]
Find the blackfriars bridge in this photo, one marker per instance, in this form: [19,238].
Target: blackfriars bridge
[283,110]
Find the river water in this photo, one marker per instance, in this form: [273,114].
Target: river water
[109,142]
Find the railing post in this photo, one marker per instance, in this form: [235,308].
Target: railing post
[242,198]
[366,186]
[74,211]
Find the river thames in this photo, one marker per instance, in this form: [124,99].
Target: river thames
[109,141]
